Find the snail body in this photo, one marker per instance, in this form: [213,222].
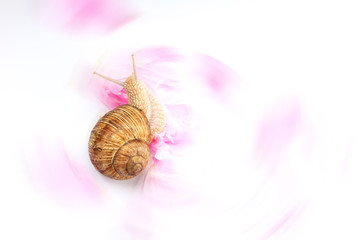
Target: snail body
[118,145]
[140,96]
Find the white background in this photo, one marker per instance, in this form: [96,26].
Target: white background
[277,47]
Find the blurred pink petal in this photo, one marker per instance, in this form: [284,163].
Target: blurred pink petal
[279,127]
[284,222]
[59,176]
[164,187]
[221,81]
[139,222]
[162,70]
[88,15]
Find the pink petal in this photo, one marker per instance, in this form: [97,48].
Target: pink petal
[285,222]
[279,127]
[87,15]
[160,68]
[164,187]
[59,176]
[139,221]
[222,82]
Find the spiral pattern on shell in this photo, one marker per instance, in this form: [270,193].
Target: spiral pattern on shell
[118,144]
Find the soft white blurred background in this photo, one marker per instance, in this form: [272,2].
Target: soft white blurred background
[282,50]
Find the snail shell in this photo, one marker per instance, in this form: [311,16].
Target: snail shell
[118,145]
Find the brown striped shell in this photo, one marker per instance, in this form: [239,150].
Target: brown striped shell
[118,144]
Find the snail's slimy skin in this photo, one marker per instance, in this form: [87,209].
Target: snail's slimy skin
[140,96]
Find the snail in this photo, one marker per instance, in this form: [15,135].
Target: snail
[119,142]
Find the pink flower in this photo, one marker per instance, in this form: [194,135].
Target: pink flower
[87,15]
